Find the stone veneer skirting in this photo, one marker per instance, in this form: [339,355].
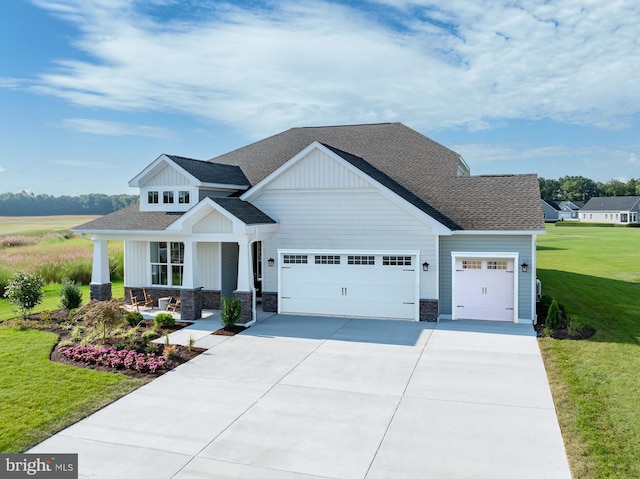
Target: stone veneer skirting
[429,310]
[246,301]
[192,302]
[269,302]
[100,292]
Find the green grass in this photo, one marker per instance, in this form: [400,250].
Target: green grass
[51,299]
[39,397]
[595,273]
[39,224]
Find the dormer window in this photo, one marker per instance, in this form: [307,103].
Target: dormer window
[167,197]
[183,197]
[152,197]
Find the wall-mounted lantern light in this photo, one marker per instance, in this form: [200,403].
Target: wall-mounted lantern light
[425,266]
[271,262]
[524,267]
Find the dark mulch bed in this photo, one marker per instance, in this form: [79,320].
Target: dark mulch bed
[55,325]
[229,330]
[563,331]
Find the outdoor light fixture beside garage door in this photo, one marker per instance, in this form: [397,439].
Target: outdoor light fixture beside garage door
[425,266]
[271,262]
[524,267]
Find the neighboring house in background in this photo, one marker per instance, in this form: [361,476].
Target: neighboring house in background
[611,209]
[569,210]
[371,221]
[550,211]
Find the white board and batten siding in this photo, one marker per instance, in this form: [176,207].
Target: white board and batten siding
[514,249]
[167,179]
[322,206]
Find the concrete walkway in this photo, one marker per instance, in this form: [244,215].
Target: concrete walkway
[302,397]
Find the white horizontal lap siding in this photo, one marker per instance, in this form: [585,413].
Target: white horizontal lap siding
[520,244]
[209,265]
[345,220]
[136,263]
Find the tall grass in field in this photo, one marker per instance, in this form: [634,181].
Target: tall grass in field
[55,257]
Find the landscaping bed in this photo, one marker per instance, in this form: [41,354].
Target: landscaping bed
[80,339]
[567,328]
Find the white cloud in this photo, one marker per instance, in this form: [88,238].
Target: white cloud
[112,128]
[2,170]
[439,65]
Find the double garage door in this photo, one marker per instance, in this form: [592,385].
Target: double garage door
[349,284]
[484,289]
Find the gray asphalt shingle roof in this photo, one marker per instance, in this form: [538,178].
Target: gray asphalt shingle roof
[131,219]
[611,203]
[415,163]
[244,211]
[209,172]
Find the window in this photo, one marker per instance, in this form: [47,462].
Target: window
[624,217]
[396,260]
[368,260]
[496,265]
[152,197]
[294,259]
[167,197]
[167,263]
[327,259]
[471,264]
[183,197]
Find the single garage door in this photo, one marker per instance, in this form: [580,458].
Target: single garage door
[360,284]
[484,289]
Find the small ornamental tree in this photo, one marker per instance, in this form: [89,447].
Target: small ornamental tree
[24,292]
[103,316]
[554,316]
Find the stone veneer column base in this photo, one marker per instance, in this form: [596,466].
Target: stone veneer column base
[191,304]
[246,300]
[429,310]
[269,302]
[100,291]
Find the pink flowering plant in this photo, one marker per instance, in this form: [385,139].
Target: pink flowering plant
[115,358]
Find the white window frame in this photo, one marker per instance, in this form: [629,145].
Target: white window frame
[173,269]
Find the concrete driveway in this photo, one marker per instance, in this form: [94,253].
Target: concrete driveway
[302,397]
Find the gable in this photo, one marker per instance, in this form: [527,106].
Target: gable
[317,170]
[214,222]
[167,176]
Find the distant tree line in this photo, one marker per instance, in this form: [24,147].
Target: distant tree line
[28,204]
[579,188]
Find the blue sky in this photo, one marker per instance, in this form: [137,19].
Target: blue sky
[91,91]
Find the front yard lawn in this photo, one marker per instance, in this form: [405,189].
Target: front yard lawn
[595,274]
[39,397]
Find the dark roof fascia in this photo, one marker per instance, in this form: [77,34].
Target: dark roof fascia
[392,185]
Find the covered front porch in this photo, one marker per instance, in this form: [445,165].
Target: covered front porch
[212,251]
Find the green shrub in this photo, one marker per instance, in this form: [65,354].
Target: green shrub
[554,316]
[24,292]
[70,295]
[231,311]
[133,318]
[164,320]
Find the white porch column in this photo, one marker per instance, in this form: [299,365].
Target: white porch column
[100,271]
[244,264]
[191,273]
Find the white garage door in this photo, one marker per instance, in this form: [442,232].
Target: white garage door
[366,285]
[484,289]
